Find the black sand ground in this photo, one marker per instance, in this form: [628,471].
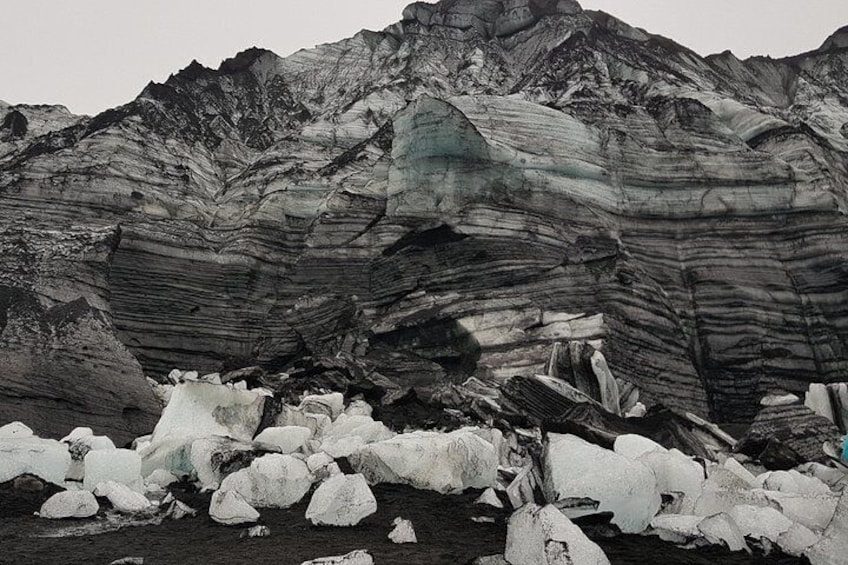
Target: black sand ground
[446,536]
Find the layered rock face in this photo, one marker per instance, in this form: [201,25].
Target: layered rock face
[455,194]
[60,358]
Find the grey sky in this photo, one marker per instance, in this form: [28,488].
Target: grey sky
[94,54]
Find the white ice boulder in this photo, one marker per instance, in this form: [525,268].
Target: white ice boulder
[359,408]
[330,405]
[544,536]
[15,430]
[818,400]
[724,490]
[744,474]
[442,462]
[118,465]
[796,540]
[634,446]
[348,433]
[720,529]
[318,461]
[69,504]
[45,458]
[77,434]
[210,458]
[159,478]
[285,439]
[403,531]
[199,409]
[832,548]
[291,416]
[231,509]
[271,481]
[814,512]
[676,474]
[123,498]
[80,444]
[342,500]
[759,522]
[490,498]
[794,482]
[322,466]
[828,475]
[677,528]
[575,468]
[358,557]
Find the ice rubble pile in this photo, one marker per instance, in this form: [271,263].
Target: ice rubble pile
[220,437]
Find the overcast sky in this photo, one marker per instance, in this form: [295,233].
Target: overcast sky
[91,55]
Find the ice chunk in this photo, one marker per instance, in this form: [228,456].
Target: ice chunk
[44,458]
[15,430]
[291,416]
[358,557]
[828,475]
[796,540]
[633,446]
[70,504]
[349,433]
[230,508]
[160,478]
[271,481]
[832,548]
[256,532]
[676,473]
[199,409]
[638,411]
[814,512]
[575,468]
[77,434]
[403,531]
[677,528]
[359,408]
[794,482]
[744,474]
[490,498]
[285,439]
[123,498]
[443,462]
[760,522]
[330,405]
[212,457]
[724,490]
[318,461]
[342,500]
[119,465]
[818,400]
[80,447]
[720,528]
[544,536]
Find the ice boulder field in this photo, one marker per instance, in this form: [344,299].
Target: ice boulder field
[220,468]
